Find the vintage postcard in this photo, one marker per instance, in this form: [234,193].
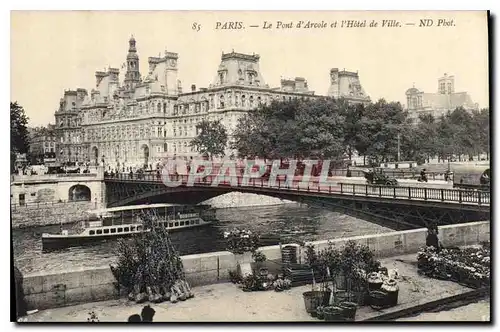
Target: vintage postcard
[250,166]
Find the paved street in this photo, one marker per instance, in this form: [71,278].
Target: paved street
[479,311]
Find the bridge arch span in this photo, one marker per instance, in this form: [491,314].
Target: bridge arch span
[79,192]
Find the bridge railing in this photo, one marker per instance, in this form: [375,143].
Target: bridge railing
[42,177]
[76,175]
[330,187]
[402,174]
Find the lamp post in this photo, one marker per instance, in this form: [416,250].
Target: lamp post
[399,147]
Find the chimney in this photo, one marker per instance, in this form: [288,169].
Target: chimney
[179,86]
[193,87]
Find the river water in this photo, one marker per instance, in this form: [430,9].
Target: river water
[289,220]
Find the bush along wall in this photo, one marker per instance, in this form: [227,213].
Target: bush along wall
[469,266]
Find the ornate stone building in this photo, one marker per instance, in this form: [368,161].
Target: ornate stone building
[346,84]
[145,119]
[446,99]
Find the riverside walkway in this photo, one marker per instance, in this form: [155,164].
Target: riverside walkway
[226,302]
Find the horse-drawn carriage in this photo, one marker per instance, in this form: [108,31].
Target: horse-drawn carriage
[373,177]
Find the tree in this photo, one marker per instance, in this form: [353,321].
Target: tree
[262,132]
[465,137]
[352,115]
[445,138]
[319,129]
[292,129]
[379,128]
[211,138]
[418,142]
[19,139]
[481,122]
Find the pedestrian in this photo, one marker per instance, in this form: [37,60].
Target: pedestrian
[423,176]
[432,239]
[147,314]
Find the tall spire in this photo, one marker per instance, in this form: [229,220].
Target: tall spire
[131,44]
[132,76]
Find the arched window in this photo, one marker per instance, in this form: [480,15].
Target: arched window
[221,101]
[164,107]
[243,101]
[251,101]
[158,107]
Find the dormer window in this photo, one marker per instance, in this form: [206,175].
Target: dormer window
[251,78]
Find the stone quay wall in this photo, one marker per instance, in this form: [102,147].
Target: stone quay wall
[44,291]
[45,214]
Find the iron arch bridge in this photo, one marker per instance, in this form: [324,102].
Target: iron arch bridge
[396,207]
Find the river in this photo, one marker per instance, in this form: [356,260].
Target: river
[290,220]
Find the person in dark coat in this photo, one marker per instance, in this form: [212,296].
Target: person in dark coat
[147,314]
[423,176]
[432,237]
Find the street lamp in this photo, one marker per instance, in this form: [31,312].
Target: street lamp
[399,146]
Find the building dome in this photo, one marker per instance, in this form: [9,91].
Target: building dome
[412,91]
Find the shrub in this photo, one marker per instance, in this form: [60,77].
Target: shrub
[149,262]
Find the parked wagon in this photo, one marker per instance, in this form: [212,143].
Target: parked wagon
[472,177]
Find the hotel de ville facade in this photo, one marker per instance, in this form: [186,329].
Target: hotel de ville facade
[141,120]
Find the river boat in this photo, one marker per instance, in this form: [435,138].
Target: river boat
[119,222]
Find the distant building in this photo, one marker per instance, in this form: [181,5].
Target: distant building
[346,84]
[437,104]
[43,144]
[68,127]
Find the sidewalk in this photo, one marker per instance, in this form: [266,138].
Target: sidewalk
[227,303]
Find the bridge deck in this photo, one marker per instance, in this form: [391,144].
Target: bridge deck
[441,195]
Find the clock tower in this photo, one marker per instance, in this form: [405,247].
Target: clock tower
[171,72]
[132,76]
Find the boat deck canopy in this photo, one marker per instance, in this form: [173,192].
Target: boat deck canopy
[134,207]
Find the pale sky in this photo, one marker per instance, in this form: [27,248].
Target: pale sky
[54,51]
